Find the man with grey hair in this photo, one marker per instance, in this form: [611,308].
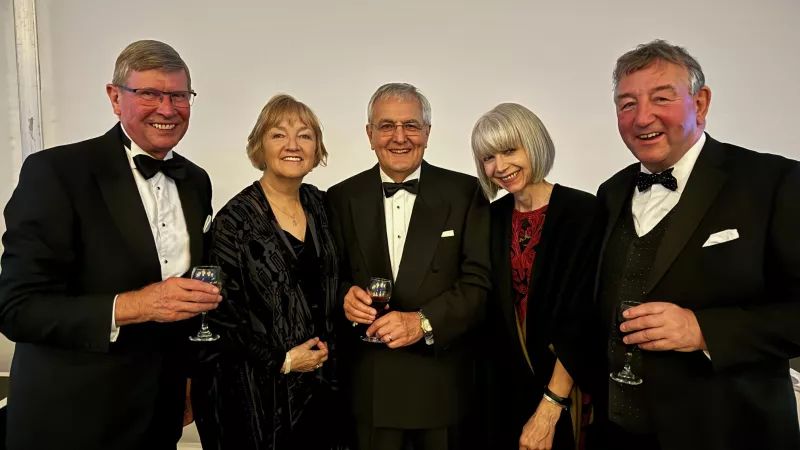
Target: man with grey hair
[426,230]
[98,236]
[699,280]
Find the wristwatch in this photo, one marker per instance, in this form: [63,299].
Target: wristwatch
[427,329]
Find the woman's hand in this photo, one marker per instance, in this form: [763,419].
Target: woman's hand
[306,359]
[538,433]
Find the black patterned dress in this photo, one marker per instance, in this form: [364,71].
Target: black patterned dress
[278,293]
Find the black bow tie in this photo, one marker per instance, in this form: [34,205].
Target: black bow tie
[412,186]
[645,180]
[148,167]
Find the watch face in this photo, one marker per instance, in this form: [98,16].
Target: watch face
[426,326]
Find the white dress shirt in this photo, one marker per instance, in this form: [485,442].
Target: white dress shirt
[162,204]
[652,205]
[398,209]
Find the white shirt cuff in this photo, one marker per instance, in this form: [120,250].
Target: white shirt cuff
[114,328]
[708,355]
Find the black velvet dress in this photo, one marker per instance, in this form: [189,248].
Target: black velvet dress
[278,292]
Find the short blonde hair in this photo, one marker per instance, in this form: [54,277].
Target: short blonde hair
[511,126]
[277,109]
[148,55]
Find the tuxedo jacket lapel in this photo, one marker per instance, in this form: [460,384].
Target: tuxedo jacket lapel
[189,192]
[424,233]
[123,201]
[369,221]
[703,185]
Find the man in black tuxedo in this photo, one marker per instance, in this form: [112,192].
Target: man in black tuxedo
[98,234]
[426,228]
[705,235]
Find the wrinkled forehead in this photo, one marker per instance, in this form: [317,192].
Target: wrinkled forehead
[654,74]
[394,109]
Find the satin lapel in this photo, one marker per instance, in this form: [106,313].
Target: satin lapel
[189,192]
[369,221]
[115,179]
[616,197]
[703,185]
[424,233]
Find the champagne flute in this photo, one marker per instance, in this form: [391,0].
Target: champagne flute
[626,375]
[380,290]
[212,275]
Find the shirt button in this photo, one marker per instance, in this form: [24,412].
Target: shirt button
[163,224]
[165,261]
[158,187]
[398,236]
[398,207]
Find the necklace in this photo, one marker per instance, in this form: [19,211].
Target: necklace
[266,186]
[291,216]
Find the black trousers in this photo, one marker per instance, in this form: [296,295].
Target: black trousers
[614,437]
[446,438]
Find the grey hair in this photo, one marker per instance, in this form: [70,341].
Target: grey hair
[148,55]
[512,126]
[400,91]
[654,51]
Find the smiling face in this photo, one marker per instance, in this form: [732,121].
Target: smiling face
[289,149]
[155,129]
[658,118]
[399,149]
[509,169]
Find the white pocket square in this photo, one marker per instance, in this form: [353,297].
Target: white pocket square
[448,233]
[722,236]
[207,225]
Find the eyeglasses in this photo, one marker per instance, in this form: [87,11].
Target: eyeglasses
[409,128]
[153,97]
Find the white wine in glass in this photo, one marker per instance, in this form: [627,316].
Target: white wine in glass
[211,275]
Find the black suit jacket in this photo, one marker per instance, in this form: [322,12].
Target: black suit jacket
[77,235]
[418,386]
[745,294]
[559,301]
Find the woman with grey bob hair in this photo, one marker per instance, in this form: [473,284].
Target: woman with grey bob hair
[541,245]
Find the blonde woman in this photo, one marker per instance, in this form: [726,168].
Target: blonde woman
[270,382]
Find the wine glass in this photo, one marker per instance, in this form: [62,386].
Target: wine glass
[626,375]
[212,275]
[380,290]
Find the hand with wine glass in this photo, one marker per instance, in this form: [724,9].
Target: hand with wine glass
[170,300]
[661,326]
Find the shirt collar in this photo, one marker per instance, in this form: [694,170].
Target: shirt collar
[136,150]
[414,175]
[683,168]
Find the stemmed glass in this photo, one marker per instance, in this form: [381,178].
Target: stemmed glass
[212,275]
[380,290]
[626,375]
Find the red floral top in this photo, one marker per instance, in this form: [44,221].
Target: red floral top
[526,231]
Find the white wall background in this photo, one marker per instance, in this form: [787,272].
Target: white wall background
[467,56]
[555,57]
[10,152]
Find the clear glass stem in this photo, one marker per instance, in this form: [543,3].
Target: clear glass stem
[203,323]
